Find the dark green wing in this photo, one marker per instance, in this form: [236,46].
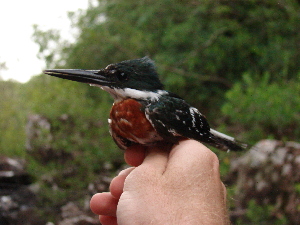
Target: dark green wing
[173,117]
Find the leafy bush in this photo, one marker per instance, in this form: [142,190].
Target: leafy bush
[263,215]
[201,47]
[264,108]
[12,120]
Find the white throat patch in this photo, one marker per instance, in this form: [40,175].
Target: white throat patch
[120,94]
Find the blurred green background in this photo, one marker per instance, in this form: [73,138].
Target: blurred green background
[236,61]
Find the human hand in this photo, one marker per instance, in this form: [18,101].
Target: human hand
[182,186]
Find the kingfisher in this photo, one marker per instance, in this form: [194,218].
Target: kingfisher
[145,113]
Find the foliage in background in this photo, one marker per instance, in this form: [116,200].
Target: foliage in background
[83,134]
[12,119]
[264,107]
[201,47]
[239,56]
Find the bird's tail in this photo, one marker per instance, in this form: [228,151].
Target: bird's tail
[225,142]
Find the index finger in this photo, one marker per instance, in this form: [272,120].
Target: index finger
[134,155]
[191,155]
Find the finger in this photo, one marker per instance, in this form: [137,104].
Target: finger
[117,184]
[108,220]
[190,154]
[224,191]
[104,204]
[156,158]
[134,155]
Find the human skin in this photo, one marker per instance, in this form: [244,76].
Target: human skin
[181,186]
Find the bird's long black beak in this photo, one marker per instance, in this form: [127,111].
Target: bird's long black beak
[85,76]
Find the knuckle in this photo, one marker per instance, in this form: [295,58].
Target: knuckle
[213,161]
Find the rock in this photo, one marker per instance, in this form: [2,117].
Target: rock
[41,135]
[268,174]
[12,173]
[17,201]
[39,138]
[72,215]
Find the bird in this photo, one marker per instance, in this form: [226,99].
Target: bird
[144,112]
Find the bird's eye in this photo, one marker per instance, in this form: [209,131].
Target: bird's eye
[122,76]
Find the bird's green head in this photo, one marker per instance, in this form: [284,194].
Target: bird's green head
[138,74]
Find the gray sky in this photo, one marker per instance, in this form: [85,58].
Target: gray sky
[17,48]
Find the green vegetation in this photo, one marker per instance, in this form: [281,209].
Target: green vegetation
[236,61]
[265,108]
[262,215]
